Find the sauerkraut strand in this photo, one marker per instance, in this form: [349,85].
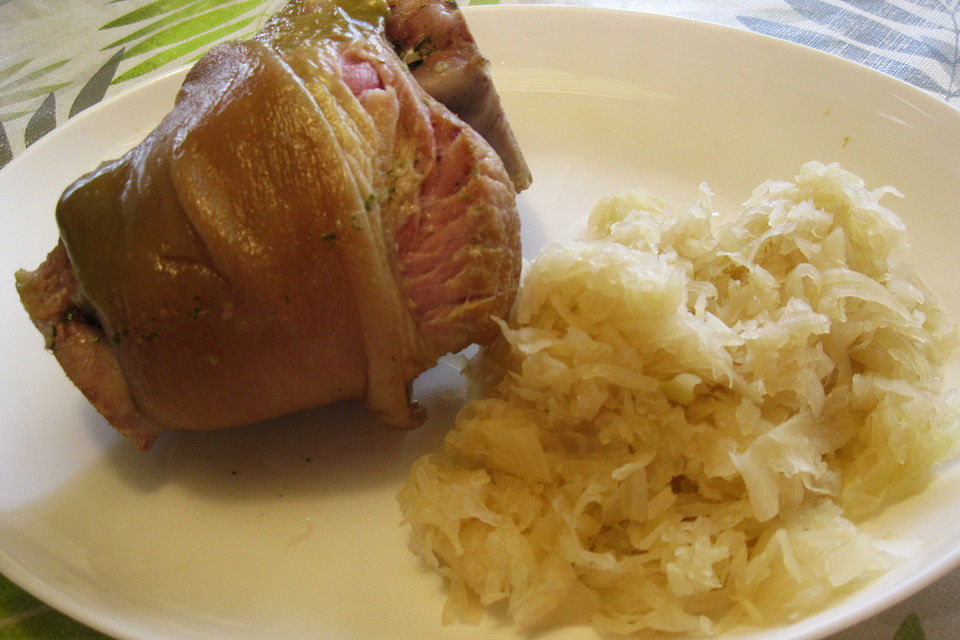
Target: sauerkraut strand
[687,414]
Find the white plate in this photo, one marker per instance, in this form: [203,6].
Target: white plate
[290,530]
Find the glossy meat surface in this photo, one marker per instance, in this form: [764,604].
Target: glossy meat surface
[307,225]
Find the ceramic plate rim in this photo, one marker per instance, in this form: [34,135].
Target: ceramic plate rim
[830,620]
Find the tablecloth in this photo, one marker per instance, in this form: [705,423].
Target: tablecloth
[58,58]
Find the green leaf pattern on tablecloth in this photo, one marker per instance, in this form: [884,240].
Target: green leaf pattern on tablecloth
[42,121]
[915,40]
[910,629]
[155,36]
[96,87]
[23,617]
[181,49]
[182,36]
[23,81]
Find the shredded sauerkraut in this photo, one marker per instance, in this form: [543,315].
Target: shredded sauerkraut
[686,414]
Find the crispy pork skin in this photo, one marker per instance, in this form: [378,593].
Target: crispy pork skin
[307,225]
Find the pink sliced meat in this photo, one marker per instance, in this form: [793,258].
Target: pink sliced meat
[307,225]
[433,38]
